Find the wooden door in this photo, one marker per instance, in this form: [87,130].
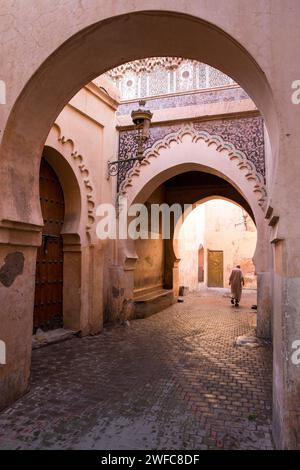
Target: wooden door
[215,268]
[49,266]
[201,264]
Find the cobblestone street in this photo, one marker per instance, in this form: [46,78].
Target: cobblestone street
[172,381]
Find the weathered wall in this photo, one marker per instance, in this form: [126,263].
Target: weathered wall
[17,272]
[228,230]
[191,236]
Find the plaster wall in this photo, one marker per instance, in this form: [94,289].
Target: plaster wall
[226,230]
[191,236]
[150,267]
[17,273]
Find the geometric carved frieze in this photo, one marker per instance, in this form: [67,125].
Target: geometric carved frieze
[245,134]
[228,150]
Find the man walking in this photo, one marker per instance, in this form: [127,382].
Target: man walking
[236,281]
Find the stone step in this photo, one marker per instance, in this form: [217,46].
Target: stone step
[144,296]
[152,301]
[44,338]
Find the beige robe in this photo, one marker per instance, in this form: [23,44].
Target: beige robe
[236,280]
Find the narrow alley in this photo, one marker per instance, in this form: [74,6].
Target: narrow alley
[174,380]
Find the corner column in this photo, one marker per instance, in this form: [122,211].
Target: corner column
[264,293]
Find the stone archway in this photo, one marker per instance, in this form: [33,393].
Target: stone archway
[32,110]
[71,297]
[78,233]
[189,150]
[198,247]
[37,106]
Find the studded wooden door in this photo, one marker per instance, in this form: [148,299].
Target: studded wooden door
[49,266]
[215,269]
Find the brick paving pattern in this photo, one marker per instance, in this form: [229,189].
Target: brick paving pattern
[172,381]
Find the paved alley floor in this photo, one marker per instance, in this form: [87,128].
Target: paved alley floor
[172,381]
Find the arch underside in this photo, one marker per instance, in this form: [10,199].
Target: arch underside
[195,187]
[225,172]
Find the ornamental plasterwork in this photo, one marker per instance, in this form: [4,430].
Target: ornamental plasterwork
[235,156]
[145,65]
[245,134]
[159,76]
[79,160]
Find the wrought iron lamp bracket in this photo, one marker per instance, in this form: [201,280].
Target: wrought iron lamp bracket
[114,166]
[141,119]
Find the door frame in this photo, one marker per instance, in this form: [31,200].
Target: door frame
[208,264]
